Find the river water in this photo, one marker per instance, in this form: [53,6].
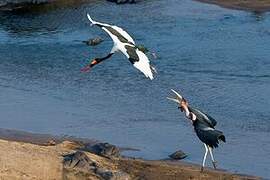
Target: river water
[218,58]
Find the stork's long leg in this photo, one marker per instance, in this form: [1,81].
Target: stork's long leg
[212,157]
[205,155]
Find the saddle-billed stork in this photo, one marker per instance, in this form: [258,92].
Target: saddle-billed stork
[124,43]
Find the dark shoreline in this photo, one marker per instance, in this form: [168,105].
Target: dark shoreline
[18,146]
[259,6]
[42,6]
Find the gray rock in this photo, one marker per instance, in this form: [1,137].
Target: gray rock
[104,149]
[105,174]
[79,160]
[178,155]
[120,175]
[94,41]
[81,163]
[14,2]
[109,175]
[122,1]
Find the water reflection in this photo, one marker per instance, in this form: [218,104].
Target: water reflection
[258,15]
[44,18]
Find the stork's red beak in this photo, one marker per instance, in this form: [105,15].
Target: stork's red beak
[89,66]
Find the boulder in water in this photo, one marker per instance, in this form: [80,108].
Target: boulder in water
[94,41]
[178,155]
[104,149]
[122,1]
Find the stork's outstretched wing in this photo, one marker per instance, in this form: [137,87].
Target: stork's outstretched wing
[118,32]
[204,117]
[139,61]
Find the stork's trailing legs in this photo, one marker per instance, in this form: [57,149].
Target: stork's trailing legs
[212,158]
[204,158]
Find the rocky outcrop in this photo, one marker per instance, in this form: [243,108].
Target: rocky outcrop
[93,42]
[14,2]
[67,161]
[178,155]
[123,1]
[82,164]
[58,158]
[103,149]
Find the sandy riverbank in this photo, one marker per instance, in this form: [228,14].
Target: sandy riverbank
[250,5]
[34,156]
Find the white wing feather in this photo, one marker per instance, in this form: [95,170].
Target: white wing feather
[95,22]
[124,34]
[118,29]
[143,64]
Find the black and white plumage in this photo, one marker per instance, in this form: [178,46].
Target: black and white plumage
[204,126]
[124,43]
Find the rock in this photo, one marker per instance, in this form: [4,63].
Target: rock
[79,160]
[109,175]
[122,1]
[178,155]
[21,2]
[51,143]
[104,149]
[105,174]
[120,175]
[93,42]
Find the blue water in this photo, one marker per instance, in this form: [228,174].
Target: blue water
[217,58]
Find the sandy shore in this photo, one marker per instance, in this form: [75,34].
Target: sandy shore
[34,156]
[250,5]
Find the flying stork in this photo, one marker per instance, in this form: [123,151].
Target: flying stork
[204,126]
[124,43]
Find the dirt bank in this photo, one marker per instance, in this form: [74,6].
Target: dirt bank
[250,5]
[40,5]
[60,158]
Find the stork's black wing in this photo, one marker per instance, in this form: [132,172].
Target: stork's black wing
[203,117]
[208,135]
[112,30]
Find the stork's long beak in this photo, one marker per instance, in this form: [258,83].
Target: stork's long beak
[178,98]
[89,66]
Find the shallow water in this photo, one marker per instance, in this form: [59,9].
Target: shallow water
[217,58]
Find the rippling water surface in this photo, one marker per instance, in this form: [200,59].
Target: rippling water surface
[218,58]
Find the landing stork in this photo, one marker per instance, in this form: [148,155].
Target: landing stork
[204,126]
[124,43]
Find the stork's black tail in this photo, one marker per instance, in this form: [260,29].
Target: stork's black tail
[222,137]
[210,137]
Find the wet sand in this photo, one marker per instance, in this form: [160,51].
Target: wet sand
[34,156]
[250,5]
